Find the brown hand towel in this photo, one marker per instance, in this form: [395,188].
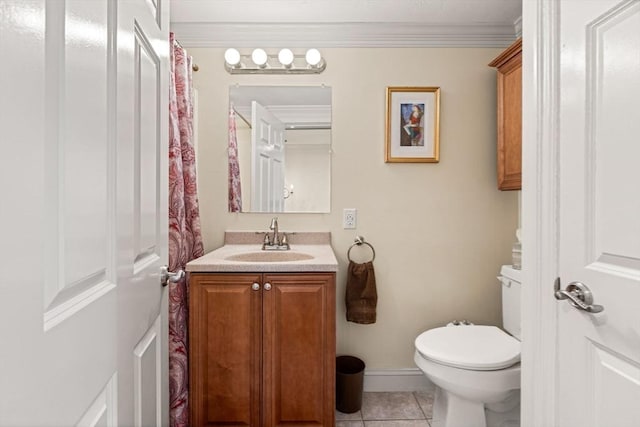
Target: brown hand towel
[361,295]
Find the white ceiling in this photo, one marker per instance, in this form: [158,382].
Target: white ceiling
[345,23]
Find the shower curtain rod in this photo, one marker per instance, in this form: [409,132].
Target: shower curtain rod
[194,66]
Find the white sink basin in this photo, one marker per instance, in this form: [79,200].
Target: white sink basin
[270,256]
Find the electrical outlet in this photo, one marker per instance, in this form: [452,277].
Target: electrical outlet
[349,218]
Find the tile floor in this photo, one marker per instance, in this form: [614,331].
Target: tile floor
[391,409]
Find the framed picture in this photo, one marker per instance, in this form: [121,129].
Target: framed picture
[413,125]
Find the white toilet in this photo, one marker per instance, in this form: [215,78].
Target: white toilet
[476,368]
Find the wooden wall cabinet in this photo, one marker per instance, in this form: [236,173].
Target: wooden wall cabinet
[262,349]
[509,67]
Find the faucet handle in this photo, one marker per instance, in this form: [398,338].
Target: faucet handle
[266,240]
[284,241]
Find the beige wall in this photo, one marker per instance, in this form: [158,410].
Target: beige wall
[441,231]
[308,168]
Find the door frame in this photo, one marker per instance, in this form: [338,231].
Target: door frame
[540,209]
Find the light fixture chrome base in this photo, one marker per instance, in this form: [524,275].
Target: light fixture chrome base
[276,69]
[299,65]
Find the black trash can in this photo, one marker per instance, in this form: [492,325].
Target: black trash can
[349,380]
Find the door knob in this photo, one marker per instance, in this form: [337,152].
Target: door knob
[579,296]
[166,276]
[267,286]
[255,286]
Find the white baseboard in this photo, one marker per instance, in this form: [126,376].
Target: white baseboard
[396,380]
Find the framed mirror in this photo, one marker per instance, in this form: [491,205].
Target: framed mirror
[284,147]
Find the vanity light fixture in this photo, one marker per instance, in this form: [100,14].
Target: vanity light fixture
[285,56]
[313,57]
[232,57]
[259,57]
[283,62]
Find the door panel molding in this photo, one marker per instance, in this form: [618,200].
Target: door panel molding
[155,9]
[621,266]
[147,144]
[72,305]
[609,370]
[147,370]
[80,169]
[103,411]
[611,180]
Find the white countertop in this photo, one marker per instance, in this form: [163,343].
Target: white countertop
[216,261]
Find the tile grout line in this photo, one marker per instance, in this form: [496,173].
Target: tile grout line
[364,420]
[419,405]
[396,419]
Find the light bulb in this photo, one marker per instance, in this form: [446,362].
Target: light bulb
[259,57]
[232,56]
[285,56]
[313,57]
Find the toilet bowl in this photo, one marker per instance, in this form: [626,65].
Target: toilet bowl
[475,368]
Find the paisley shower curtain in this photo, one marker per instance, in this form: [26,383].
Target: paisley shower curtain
[185,238]
[235,193]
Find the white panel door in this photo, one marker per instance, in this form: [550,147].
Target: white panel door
[599,354]
[267,160]
[83,212]
[143,135]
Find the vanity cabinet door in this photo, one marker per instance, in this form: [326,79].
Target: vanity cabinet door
[299,349]
[509,116]
[262,349]
[225,322]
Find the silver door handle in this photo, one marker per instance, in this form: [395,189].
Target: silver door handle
[579,296]
[267,286]
[166,276]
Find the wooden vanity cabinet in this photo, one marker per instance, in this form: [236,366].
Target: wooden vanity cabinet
[262,349]
[509,103]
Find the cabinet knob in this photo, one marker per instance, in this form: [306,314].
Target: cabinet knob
[255,287]
[267,286]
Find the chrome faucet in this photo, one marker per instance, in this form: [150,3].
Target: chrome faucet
[276,241]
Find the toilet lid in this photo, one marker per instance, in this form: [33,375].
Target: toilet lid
[476,347]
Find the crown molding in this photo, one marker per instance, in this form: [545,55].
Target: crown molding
[300,116]
[275,35]
[518,27]
[294,116]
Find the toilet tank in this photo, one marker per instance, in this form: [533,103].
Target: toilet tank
[511,290]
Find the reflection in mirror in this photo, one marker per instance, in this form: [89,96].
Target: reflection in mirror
[284,147]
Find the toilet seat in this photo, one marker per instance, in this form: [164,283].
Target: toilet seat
[476,347]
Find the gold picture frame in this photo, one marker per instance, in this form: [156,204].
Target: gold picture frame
[412,125]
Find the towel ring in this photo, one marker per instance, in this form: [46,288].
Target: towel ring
[359,241]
